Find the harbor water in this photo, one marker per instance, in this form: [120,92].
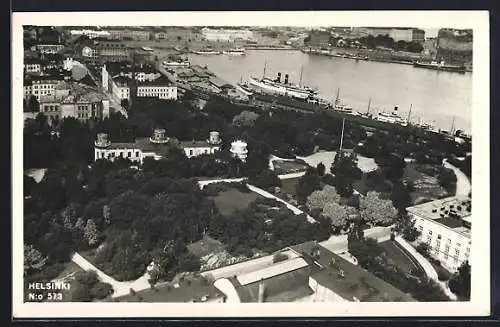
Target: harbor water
[435,97]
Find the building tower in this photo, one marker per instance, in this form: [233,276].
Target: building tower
[214,138]
[239,150]
[158,136]
[100,145]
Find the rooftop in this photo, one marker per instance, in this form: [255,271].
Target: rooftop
[347,280]
[451,212]
[162,80]
[195,291]
[194,144]
[274,270]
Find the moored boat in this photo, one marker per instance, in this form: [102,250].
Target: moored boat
[235,52]
[439,66]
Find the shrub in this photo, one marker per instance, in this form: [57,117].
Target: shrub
[443,275]
[280,256]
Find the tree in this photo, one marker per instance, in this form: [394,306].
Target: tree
[401,198]
[336,213]
[308,184]
[346,165]
[265,179]
[34,260]
[321,169]
[375,210]
[245,119]
[124,103]
[319,198]
[460,283]
[406,226]
[90,233]
[447,179]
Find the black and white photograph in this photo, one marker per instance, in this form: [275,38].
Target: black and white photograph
[316,161]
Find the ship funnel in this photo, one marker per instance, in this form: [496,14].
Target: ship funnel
[278,79]
[396,108]
[286,78]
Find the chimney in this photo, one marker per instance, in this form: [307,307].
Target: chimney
[286,78]
[279,78]
[396,108]
[262,289]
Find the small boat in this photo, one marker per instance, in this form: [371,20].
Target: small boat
[338,106]
[176,62]
[207,52]
[244,88]
[235,52]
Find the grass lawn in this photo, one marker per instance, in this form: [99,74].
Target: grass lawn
[400,258]
[288,167]
[426,184]
[205,246]
[289,185]
[231,200]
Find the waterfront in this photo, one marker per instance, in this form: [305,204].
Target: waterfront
[435,96]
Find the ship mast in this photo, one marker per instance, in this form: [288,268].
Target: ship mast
[337,98]
[409,113]
[452,126]
[342,136]
[264,74]
[300,80]
[369,102]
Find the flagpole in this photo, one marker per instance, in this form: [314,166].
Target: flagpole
[342,136]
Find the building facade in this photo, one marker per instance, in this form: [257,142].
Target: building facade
[137,35]
[32,66]
[49,48]
[76,101]
[44,85]
[445,225]
[157,147]
[120,87]
[226,35]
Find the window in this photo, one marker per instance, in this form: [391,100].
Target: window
[129,154]
[113,154]
[467,250]
[191,152]
[137,153]
[439,236]
[449,241]
[457,252]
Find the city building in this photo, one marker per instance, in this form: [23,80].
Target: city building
[407,34]
[160,88]
[161,35]
[126,34]
[42,85]
[74,100]
[49,48]
[308,273]
[120,87]
[157,146]
[226,35]
[445,225]
[90,33]
[197,148]
[32,65]
[319,39]
[239,150]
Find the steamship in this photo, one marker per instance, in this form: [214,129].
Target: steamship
[392,118]
[284,88]
[440,66]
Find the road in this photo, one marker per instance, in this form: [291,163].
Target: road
[463,183]
[115,103]
[120,288]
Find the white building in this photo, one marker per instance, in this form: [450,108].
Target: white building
[91,33]
[32,65]
[239,150]
[49,48]
[445,225]
[226,35]
[157,146]
[160,88]
[197,148]
[120,87]
[42,86]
